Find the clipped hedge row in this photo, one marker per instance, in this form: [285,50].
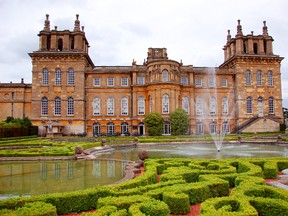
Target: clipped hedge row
[31,209]
[183,182]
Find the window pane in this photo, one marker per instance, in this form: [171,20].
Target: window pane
[198,82]
[259,78]
[70,107]
[271,105]
[224,82]
[96,106]
[248,78]
[110,106]
[184,81]
[45,77]
[44,106]
[199,106]
[70,76]
[270,78]
[57,106]
[58,77]
[110,81]
[124,106]
[141,106]
[211,82]
[140,80]
[96,82]
[249,105]
[165,104]
[213,106]
[164,75]
[185,104]
[124,81]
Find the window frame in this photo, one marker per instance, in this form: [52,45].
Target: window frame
[185,104]
[249,107]
[224,82]
[165,104]
[124,110]
[110,106]
[165,76]
[70,106]
[45,77]
[270,78]
[44,106]
[248,78]
[97,81]
[198,82]
[124,81]
[259,78]
[58,77]
[211,82]
[57,106]
[110,81]
[70,77]
[96,105]
[140,80]
[271,105]
[141,105]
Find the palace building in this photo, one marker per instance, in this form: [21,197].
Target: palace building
[70,95]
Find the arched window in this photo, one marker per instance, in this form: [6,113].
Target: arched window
[213,127]
[248,78]
[58,76]
[165,104]
[166,128]
[213,105]
[260,107]
[124,106]
[44,106]
[199,106]
[164,75]
[70,76]
[60,44]
[57,106]
[270,78]
[185,104]
[110,129]
[45,77]
[124,128]
[224,106]
[70,106]
[249,105]
[259,78]
[199,128]
[96,106]
[271,105]
[225,127]
[110,106]
[141,105]
[96,129]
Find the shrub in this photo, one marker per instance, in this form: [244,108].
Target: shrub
[152,208]
[37,209]
[270,169]
[178,203]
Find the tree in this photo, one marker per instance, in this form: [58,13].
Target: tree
[179,121]
[154,124]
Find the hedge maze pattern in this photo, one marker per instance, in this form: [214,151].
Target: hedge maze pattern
[223,187]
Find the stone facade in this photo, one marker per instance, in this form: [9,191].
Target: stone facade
[241,94]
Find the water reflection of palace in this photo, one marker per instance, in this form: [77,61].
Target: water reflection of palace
[49,177]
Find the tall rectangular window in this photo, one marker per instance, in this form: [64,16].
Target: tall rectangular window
[110,81]
[271,105]
[225,106]
[140,80]
[185,104]
[141,106]
[44,106]
[165,104]
[198,82]
[249,105]
[110,106]
[45,76]
[224,82]
[96,106]
[58,77]
[184,80]
[57,106]
[124,106]
[199,106]
[213,106]
[97,81]
[248,78]
[70,106]
[259,78]
[211,81]
[270,78]
[70,78]
[124,81]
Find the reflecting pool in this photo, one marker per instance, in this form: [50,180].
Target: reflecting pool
[207,151]
[35,178]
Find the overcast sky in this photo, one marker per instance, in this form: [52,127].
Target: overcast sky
[119,31]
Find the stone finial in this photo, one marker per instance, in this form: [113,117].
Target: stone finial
[239,29]
[228,36]
[265,29]
[82,28]
[77,23]
[55,27]
[47,23]
[133,62]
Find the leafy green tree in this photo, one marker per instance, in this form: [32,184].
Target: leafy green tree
[154,124]
[179,121]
